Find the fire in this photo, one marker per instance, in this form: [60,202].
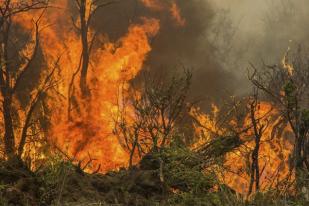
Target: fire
[208,121]
[274,152]
[89,133]
[153,4]
[175,11]
[286,65]
[170,6]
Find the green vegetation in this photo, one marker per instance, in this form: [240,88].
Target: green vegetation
[174,175]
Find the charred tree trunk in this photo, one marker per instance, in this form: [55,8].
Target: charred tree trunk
[294,118]
[10,77]
[258,131]
[132,152]
[301,156]
[5,79]
[255,169]
[8,126]
[85,45]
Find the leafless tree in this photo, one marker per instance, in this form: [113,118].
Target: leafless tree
[128,127]
[286,86]
[154,110]
[12,77]
[259,125]
[87,10]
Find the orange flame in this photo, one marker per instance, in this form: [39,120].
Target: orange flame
[171,7]
[175,11]
[153,4]
[89,134]
[274,152]
[91,131]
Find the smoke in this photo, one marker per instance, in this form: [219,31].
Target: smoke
[175,47]
[258,31]
[217,41]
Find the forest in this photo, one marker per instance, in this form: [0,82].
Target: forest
[154,102]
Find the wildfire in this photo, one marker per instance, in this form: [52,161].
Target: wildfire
[286,65]
[170,6]
[274,152]
[92,131]
[175,11]
[88,133]
[153,4]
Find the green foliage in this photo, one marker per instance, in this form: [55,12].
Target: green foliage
[52,175]
[223,197]
[191,199]
[226,198]
[184,173]
[54,169]
[289,90]
[273,198]
[183,170]
[220,146]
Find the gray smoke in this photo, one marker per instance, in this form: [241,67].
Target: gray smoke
[219,39]
[176,47]
[261,31]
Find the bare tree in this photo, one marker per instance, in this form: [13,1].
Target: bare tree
[286,86]
[237,123]
[128,127]
[12,77]
[259,125]
[148,120]
[86,10]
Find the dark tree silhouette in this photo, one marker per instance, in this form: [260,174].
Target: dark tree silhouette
[148,119]
[12,76]
[286,86]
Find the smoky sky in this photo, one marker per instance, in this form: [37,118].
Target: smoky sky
[219,40]
[262,31]
[175,48]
